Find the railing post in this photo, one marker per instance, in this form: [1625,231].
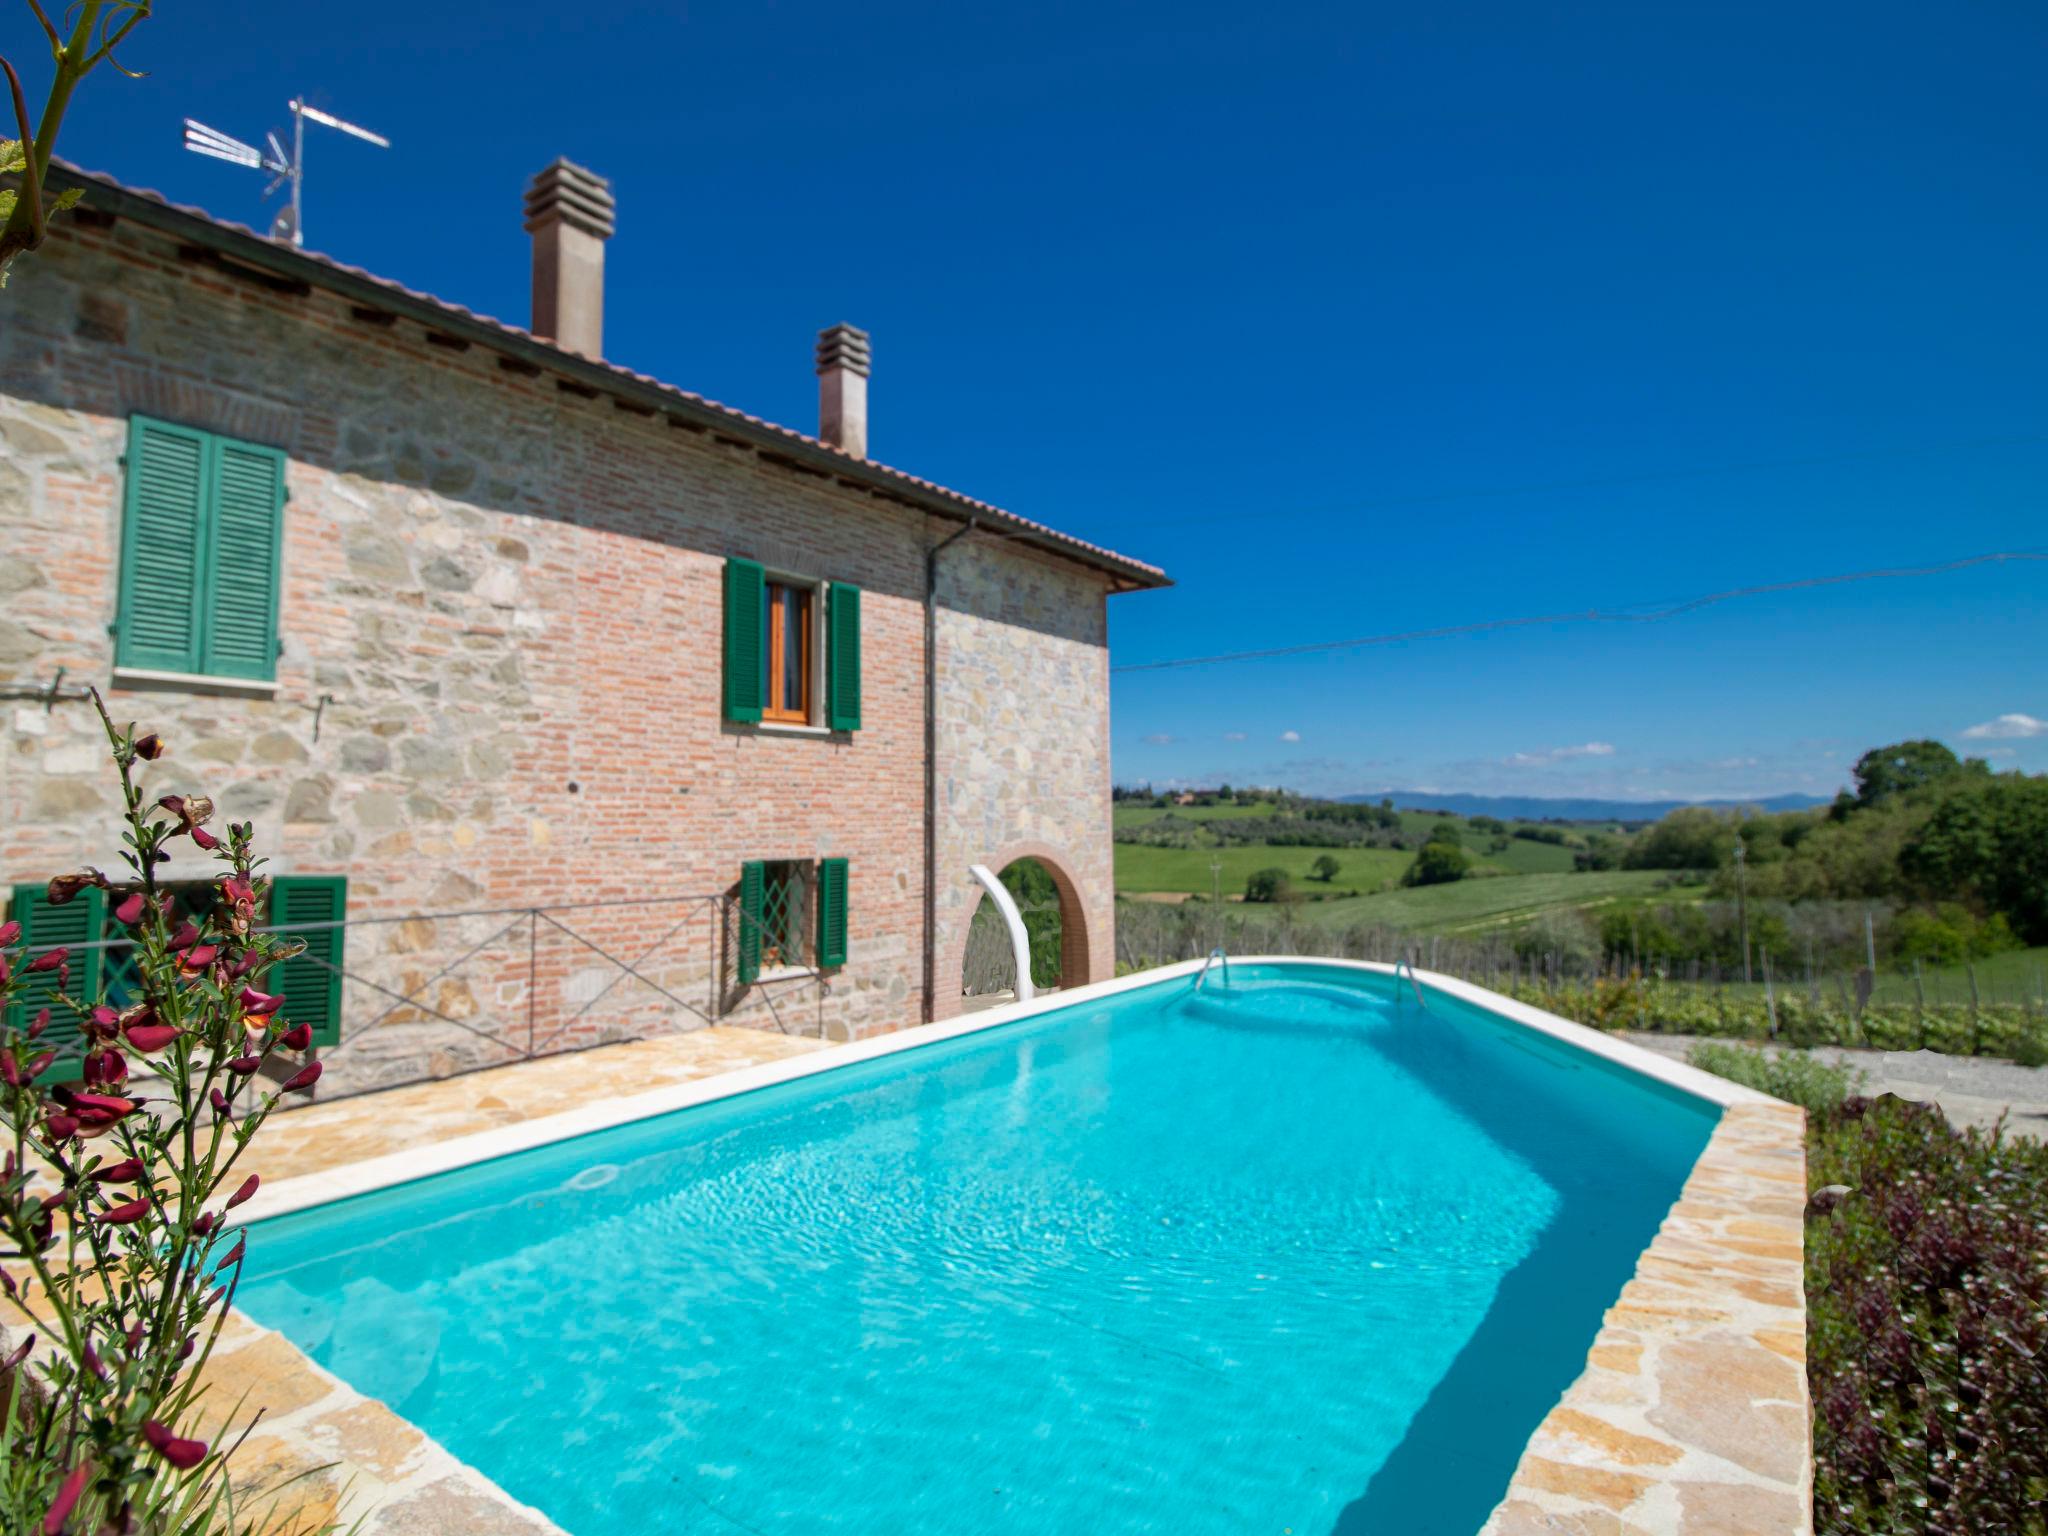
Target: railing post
[532,973]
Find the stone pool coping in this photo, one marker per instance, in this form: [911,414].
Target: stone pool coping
[1690,1418]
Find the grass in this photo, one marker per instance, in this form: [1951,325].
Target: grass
[1472,906]
[1141,869]
[1138,815]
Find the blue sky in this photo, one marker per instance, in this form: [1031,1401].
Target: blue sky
[1357,319]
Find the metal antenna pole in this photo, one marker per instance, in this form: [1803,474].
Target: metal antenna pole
[298,169]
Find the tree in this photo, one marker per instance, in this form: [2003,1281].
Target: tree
[1269,885]
[1438,863]
[98,27]
[1905,766]
[1691,837]
[1988,843]
[1325,868]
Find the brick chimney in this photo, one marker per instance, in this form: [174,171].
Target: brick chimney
[843,359]
[569,215]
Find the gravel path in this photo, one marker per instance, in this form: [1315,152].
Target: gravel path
[1971,1090]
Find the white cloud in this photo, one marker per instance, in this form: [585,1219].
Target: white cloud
[1159,739]
[2007,728]
[1558,755]
[1235,736]
[1290,735]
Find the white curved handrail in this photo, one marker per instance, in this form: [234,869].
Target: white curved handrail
[1020,941]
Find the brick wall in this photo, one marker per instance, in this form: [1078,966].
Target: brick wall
[499,685]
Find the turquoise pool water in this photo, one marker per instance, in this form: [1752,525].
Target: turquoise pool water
[1291,1255]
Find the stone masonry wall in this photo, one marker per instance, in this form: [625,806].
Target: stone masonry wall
[499,681]
[1023,746]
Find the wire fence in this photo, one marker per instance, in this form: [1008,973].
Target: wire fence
[1998,1005]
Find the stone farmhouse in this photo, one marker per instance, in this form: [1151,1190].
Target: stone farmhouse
[568,705]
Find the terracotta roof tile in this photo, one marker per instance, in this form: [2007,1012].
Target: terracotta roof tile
[311,265]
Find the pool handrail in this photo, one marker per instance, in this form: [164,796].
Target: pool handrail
[1203,974]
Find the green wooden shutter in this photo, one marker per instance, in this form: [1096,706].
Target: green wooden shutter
[163,548]
[311,988]
[81,920]
[842,659]
[831,913]
[243,565]
[743,596]
[753,888]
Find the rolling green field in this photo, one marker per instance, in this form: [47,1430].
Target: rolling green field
[1472,906]
[1140,869]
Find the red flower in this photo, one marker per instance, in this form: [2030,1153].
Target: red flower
[38,1065]
[151,746]
[297,1038]
[106,1069]
[248,1188]
[199,956]
[98,1111]
[49,960]
[151,1038]
[182,1454]
[41,1023]
[260,1002]
[129,908]
[205,839]
[60,1127]
[242,1066]
[219,1101]
[122,1215]
[304,1078]
[10,1071]
[124,1172]
[185,937]
[66,1500]
[203,1225]
[9,931]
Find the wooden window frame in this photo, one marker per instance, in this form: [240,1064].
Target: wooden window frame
[777,592]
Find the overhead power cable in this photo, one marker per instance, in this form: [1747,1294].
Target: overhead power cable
[1603,482]
[1630,613]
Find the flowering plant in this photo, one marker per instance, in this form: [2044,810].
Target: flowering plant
[117,1187]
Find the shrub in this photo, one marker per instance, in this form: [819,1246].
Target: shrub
[1797,1077]
[1927,1321]
[114,1205]
[1325,868]
[1269,885]
[1437,863]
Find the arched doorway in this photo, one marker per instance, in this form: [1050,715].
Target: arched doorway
[984,964]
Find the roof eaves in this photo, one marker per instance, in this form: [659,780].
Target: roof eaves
[246,247]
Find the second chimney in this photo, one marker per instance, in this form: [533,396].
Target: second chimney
[843,360]
[569,215]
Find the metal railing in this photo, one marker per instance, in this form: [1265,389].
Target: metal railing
[431,995]
[1214,955]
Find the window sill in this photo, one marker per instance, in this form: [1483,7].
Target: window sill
[788,728]
[784,973]
[194,682]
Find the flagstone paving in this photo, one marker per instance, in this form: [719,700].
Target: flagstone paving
[1691,1417]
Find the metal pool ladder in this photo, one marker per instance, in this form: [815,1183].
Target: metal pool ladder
[1215,955]
[1405,964]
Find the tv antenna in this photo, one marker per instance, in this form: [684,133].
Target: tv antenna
[286,167]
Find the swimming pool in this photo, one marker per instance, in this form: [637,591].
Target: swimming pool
[1293,1253]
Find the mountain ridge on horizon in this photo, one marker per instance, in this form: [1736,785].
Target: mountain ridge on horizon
[1570,807]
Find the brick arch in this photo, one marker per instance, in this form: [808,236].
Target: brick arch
[1076,952]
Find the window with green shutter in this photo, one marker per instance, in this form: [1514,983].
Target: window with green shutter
[78,922]
[202,542]
[753,888]
[744,591]
[310,907]
[831,913]
[842,657]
